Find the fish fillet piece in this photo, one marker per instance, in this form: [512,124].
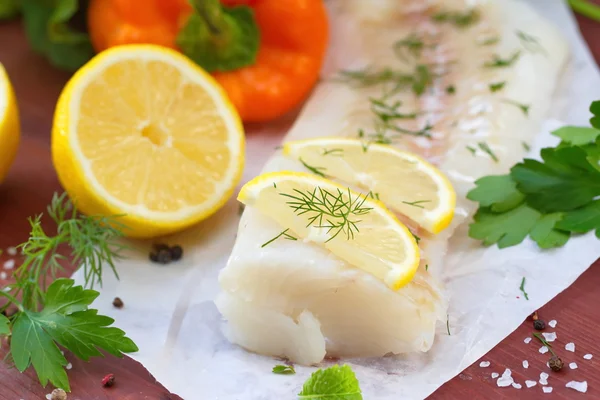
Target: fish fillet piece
[293,298]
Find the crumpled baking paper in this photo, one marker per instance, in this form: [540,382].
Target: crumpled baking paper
[169,310]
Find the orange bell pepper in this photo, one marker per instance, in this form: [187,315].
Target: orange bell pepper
[293,40]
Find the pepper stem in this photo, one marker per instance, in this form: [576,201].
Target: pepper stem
[211,13]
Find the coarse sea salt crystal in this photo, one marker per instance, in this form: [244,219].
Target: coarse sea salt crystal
[495,375]
[552,324]
[579,386]
[2,275]
[49,396]
[570,347]
[588,356]
[547,389]
[517,385]
[11,251]
[530,383]
[573,365]
[506,379]
[484,364]
[527,340]
[9,264]
[549,336]
[69,366]
[543,350]
[525,364]
[544,378]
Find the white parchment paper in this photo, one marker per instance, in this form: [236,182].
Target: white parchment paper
[169,310]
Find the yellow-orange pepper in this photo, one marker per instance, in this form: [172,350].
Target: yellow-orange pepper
[293,40]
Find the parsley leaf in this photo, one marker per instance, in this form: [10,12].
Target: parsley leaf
[506,229]
[4,325]
[545,235]
[583,219]
[65,320]
[577,135]
[220,38]
[334,383]
[499,192]
[565,181]
[595,109]
[284,369]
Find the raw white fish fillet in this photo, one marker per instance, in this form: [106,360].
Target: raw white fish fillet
[293,298]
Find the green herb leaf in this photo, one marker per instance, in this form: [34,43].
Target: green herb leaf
[506,229]
[577,135]
[565,181]
[458,18]
[595,109]
[499,192]
[494,87]
[4,325]
[9,9]
[499,62]
[49,32]
[522,289]
[334,383]
[284,370]
[67,321]
[545,234]
[219,38]
[583,219]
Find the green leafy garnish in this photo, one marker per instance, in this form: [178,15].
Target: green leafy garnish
[487,149]
[461,19]
[499,62]
[220,38]
[505,229]
[334,383]
[315,170]
[497,192]
[530,43]
[49,32]
[523,107]
[494,87]
[67,321]
[283,233]
[284,369]
[577,135]
[522,289]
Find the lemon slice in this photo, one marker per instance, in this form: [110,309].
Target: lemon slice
[403,181]
[351,225]
[142,131]
[9,124]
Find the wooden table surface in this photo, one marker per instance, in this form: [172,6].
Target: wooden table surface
[32,181]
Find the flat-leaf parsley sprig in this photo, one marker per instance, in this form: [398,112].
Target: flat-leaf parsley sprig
[334,383]
[57,314]
[548,200]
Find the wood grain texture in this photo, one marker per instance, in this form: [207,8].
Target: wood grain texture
[31,182]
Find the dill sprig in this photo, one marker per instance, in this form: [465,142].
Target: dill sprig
[489,41]
[458,18]
[544,342]
[530,43]
[499,62]
[523,107]
[420,79]
[389,112]
[486,149]
[333,152]
[412,45]
[282,233]
[494,87]
[93,242]
[526,146]
[522,288]
[416,203]
[314,170]
[335,212]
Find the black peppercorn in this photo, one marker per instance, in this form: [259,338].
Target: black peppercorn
[176,253]
[163,256]
[153,257]
[555,363]
[160,246]
[117,302]
[539,325]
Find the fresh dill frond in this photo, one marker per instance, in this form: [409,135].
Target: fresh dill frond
[530,43]
[389,112]
[336,212]
[419,80]
[451,89]
[472,149]
[499,62]
[544,342]
[489,41]
[282,233]
[422,79]
[416,203]
[314,170]
[522,288]
[523,107]
[417,239]
[333,152]
[526,146]
[412,45]
[486,149]
[457,18]
[92,242]
[494,87]
[374,196]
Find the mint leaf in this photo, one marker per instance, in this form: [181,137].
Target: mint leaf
[595,109]
[67,321]
[219,38]
[565,181]
[497,191]
[334,383]
[545,234]
[284,369]
[577,135]
[506,229]
[47,25]
[583,219]
[4,325]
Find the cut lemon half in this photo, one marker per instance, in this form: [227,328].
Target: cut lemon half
[354,227]
[141,130]
[9,124]
[403,181]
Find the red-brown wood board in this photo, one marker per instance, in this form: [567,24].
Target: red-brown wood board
[32,181]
